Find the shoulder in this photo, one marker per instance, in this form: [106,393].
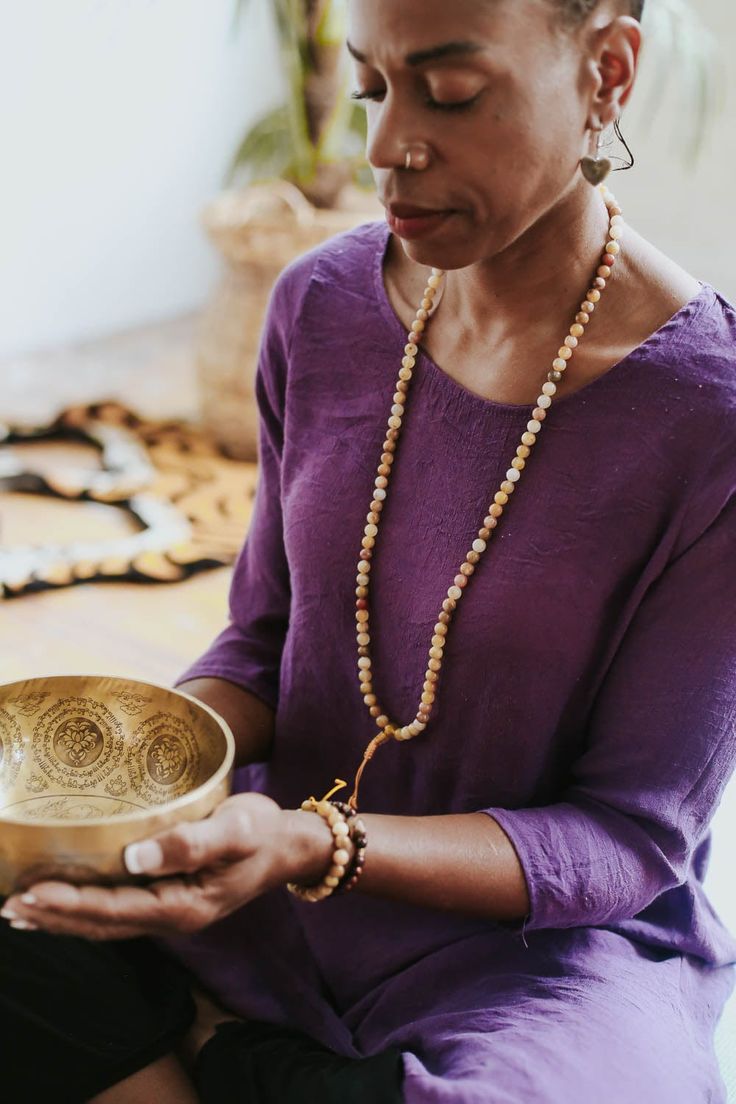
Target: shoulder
[692,359]
[343,263]
[695,355]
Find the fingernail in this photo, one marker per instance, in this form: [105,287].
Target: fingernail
[143,858]
[8,913]
[23,925]
[29,899]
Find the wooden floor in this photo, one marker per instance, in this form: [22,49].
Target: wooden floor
[145,631]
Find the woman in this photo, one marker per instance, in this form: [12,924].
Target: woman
[530,923]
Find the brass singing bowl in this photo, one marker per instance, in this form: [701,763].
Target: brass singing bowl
[89,764]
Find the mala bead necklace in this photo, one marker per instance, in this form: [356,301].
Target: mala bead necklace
[387,729]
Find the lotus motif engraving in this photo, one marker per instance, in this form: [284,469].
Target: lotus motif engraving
[78,742]
[166,760]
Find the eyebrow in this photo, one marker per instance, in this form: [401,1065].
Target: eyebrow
[434,53]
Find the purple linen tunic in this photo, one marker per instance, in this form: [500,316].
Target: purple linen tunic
[587,699]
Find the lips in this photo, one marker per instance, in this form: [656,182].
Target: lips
[407,211]
[410,222]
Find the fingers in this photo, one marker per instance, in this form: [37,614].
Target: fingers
[226,836]
[124,912]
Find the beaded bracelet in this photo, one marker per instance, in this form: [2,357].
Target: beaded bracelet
[359,838]
[339,868]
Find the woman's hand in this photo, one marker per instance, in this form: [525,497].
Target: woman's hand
[203,870]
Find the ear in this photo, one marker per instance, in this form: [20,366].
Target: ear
[613,61]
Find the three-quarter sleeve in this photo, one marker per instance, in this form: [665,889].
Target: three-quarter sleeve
[248,651]
[659,750]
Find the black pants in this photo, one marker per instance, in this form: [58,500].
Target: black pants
[77,1017]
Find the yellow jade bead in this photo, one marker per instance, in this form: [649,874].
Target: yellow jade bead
[411,349]
[417,326]
[588,306]
[408,362]
[523,450]
[594,296]
[436,653]
[394,422]
[583,317]
[473,557]
[438,641]
[405,374]
[564,353]
[341,857]
[428,698]
[440,629]
[364,639]
[496,510]
[518,463]
[427,302]
[434,281]
[577,330]
[613,248]
[501,498]
[529,438]
[507,487]
[370,699]
[434,665]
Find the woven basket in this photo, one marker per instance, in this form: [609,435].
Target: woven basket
[258,231]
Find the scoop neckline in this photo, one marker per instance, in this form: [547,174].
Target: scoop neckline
[599,384]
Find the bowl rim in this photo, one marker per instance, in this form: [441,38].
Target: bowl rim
[140,814]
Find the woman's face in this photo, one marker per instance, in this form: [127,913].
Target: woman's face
[501,98]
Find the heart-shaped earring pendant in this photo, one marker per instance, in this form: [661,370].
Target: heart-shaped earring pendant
[595,170]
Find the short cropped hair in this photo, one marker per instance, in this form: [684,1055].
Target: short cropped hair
[578,10]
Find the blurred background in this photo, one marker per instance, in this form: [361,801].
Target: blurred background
[134,268]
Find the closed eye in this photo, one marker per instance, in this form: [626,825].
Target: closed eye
[367,95]
[434,105]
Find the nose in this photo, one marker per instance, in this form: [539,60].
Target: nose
[389,134]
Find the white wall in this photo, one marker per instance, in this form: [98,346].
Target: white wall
[117,121]
[685,208]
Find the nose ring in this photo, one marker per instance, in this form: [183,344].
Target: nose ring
[417,158]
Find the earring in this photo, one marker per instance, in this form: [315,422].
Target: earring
[596,169]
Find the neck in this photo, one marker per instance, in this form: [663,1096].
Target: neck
[547,269]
